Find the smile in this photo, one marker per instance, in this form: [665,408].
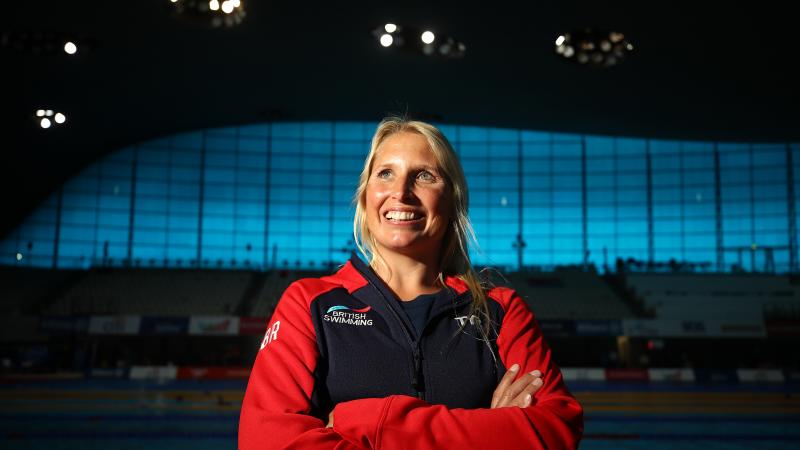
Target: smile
[403,216]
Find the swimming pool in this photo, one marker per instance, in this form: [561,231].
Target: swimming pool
[200,415]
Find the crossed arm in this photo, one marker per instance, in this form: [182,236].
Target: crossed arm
[275,411]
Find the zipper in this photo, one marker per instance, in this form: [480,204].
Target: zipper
[416,383]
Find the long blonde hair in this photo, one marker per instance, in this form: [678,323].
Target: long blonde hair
[454,259]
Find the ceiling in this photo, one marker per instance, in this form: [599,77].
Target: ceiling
[698,71]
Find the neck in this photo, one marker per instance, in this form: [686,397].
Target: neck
[408,277]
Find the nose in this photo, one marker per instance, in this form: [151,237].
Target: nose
[402,188]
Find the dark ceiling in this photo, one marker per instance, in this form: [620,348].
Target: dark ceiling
[698,71]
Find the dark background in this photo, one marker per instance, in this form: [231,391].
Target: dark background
[699,70]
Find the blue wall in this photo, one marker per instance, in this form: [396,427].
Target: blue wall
[230,197]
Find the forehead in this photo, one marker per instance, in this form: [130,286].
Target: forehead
[407,148]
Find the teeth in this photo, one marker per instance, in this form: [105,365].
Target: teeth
[400,215]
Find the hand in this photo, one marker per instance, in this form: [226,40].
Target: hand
[330,420]
[516,393]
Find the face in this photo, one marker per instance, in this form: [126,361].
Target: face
[407,206]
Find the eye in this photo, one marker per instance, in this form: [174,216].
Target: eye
[383,174]
[426,176]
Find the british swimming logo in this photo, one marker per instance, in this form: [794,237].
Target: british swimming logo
[348,316]
[342,307]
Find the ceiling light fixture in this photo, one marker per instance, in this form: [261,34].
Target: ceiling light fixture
[46,117]
[594,48]
[45,43]
[416,41]
[217,13]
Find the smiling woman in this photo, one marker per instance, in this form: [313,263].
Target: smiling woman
[406,203]
[410,350]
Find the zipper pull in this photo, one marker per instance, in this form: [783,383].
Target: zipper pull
[415,381]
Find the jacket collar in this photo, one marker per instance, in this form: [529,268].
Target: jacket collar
[355,274]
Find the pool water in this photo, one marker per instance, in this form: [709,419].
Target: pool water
[204,415]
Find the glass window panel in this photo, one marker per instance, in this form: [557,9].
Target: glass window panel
[534,136]
[632,227]
[566,182]
[602,227]
[632,196]
[668,226]
[735,159]
[666,179]
[734,193]
[774,208]
[631,212]
[113,218]
[567,149]
[150,188]
[596,145]
[664,147]
[280,162]
[537,182]
[699,210]
[218,208]
[220,142]
[151,173]
[698,177]
[600,181]
[766,191]
[600,165]
[629,146]
[78,217]
[573,229]
[144,236]
[182,222]
[700,226]
[772,239]
[770,175]
[769,156]
[219,191]
[736,224]
[666,196]
[631,164]
[698,161]
[187,158]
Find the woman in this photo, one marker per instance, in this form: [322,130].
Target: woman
[409,351]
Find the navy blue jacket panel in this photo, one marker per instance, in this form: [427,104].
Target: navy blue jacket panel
[368,348]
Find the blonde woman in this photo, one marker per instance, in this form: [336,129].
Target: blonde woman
[409,350]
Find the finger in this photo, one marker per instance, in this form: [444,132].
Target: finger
[525,398]
[505,382]
[330,420]
[512,393]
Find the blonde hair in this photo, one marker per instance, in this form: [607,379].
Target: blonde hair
[454,259]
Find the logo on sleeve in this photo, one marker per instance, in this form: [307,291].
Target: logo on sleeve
[271,334]
[347,315]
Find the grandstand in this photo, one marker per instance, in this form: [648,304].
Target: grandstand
[277,281]
[26,291]
[569,293]
[743,297]
[155,292]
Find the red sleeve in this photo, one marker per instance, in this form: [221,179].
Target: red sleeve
[275,410]
[553,421]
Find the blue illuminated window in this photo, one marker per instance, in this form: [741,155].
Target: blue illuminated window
[280,194]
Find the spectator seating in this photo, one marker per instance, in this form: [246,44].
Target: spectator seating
[569,293]
[712,296]
[154,291]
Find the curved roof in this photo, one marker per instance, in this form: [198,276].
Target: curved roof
[698,72]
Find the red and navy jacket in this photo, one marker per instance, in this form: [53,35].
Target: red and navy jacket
[343,343]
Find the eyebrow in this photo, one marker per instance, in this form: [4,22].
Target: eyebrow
[424,166]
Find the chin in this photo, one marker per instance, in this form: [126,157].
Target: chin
[407,247]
